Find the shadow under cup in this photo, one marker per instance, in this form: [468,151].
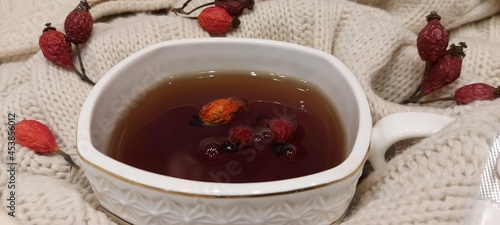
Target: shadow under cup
[113,96]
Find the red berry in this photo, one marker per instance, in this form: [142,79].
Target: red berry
[446,70]
[235,7]
[220,111]
[241,135]
[38,137]
[55,47]
[216,20]
[433,39]
[477,91]
[282,128]
[78,24]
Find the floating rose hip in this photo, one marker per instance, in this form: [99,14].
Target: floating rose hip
[220,111]
[38,137]
[79,23]
[241,136]
[432,40]
[282,128]
[216,20]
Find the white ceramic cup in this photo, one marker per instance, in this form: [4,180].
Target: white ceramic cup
[142,197]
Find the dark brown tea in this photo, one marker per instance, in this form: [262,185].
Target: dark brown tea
[158,135]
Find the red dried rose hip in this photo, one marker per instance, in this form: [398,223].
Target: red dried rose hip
[235,7]
[241,135]
[474,92]
[433,39]
[220,111]
[55,47]
[79,23]
[38,137]
[216,20]
[282,128]
[445,71]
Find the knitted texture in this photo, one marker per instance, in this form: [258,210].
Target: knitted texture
[431,182]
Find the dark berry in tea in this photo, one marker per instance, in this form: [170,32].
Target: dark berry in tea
[231,126]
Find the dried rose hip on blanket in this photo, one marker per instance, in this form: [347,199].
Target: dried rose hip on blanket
[216,20]
[442,65]
[55,47]
[432,40]
[220,111]
[477,91]
[220,18]
[78,24]
[471,93]
[440,73]
[446,70]
[38,137]
[235,7]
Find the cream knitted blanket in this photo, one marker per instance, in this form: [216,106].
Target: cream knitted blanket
[431,182]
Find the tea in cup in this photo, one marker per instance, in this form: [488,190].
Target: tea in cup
[231,131]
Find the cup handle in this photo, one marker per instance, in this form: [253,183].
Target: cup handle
[401,126]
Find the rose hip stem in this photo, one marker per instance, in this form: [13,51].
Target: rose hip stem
[82,75]
[470,93]
[67,158]
[449,98]
[181,9]
[419,87]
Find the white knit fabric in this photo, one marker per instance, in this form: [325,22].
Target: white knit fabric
[431,182]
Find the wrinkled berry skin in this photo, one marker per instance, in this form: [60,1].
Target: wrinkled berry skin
[216,20]
[235,7]
[56,48]
[222,111]
[78,24]
[433,39]
[36,136]
[445,71]
[241,135]
[474,92]
[282,128]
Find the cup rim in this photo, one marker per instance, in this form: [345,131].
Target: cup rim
[137,177]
